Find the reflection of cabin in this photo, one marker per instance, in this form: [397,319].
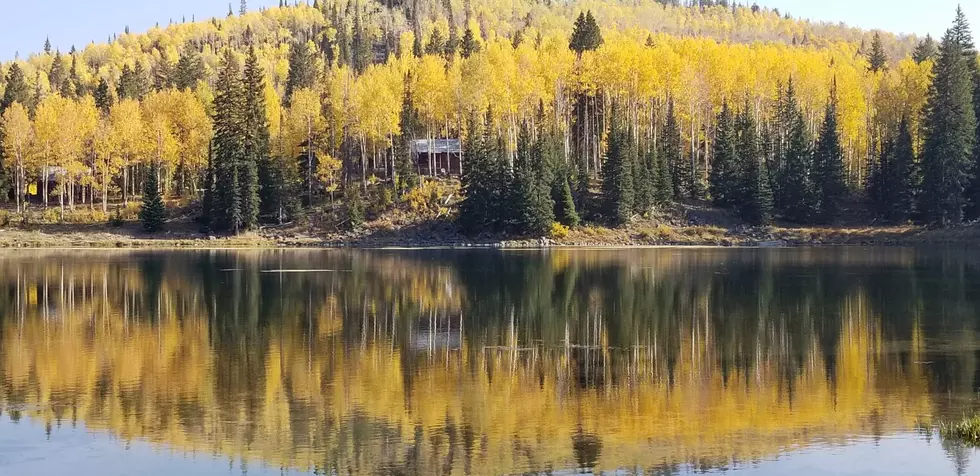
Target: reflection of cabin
[438,156]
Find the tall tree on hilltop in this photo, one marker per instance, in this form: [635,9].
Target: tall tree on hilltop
[228,211]
[755,193]
[950,129]
[617,174]
[723,181]
[877,59]
[302,70]
[255,140]
[828,163]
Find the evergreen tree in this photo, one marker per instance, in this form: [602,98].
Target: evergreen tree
[302,70]
[643,182]
[476,212]
[163,75]
[103,96]
[361,45]
[724,178]
[436,45]
[586,35]
[680,170]
[950,128]
[243,9]
[406,175]
[469,45]
[152,212]
[17,89]
[828,164]
[47,46]
[532,202]
[892,179]
[617,175]
[755,203]
[255,140]
[663,187]
[56,75]
[74,82]
[877,59]
[564,201]
[228,211]
[925,50]
[189,70]
[797,164]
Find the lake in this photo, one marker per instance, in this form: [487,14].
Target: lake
[428,362]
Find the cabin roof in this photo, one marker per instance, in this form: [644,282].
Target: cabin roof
[439,146]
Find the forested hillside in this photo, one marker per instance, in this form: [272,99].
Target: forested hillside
[599,111]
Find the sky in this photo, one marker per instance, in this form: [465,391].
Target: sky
[24,24]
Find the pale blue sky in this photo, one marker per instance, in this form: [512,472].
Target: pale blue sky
[24,24]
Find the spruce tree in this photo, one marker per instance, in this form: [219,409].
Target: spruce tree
[892,181]
[302,70]
[476,212]
[561,193]
[663,188]
[950,129]
[406,175]
[644,170]
[532,204]
[925,50]
[361,44]
[797,164]
[56,75]
[74,83]
[228,211]
[16,90]
[680,171]
[617,175]
[586,34]
[877,59]
[436,45]
[828,164]
[255,139]
[103,97]
[723,181]
[152,212]
[755,202]
[469,45]
[189,70]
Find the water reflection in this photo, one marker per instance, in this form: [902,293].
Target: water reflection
[443,362]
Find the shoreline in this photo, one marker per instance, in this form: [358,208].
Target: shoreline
[439,237]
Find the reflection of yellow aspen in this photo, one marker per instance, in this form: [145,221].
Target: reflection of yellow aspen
[32,189]
[32,295]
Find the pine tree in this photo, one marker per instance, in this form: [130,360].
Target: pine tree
[892,179]
[755,203]
[229,149]
[925,50]
[950,128]
[255,139]
[152,212]
[724,178]
[47,46]
[561,194]
[103,96]
[74,82]
[828,164]
[56,75]
[643,180]
[680,171]
[586,34]
[476,212]
[243,9]
[163,75]
[302,70]
[361,45]
[617,175]
[189,70]
[406,176]
[469,45]
[436,45]
[797,165]
[877,59]
[532,200]
[17,89]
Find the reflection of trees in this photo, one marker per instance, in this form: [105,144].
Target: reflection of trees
[427,362]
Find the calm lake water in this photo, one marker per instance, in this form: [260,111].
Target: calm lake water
[655,361]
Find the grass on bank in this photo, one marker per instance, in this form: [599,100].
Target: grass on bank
[966,431]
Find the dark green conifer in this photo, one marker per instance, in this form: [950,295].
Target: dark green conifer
[617,175]
[103,96]
[723,181]
[16,90]
[469,44]
[797,164]
[877,59]
[302,69]
[406,175]
[532,204]
[255,139]
[152,212]
[950,131]
[189,70]
[828,164]
[755,204]
[56,75]
[925,50]
[681,172]
[228,212]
